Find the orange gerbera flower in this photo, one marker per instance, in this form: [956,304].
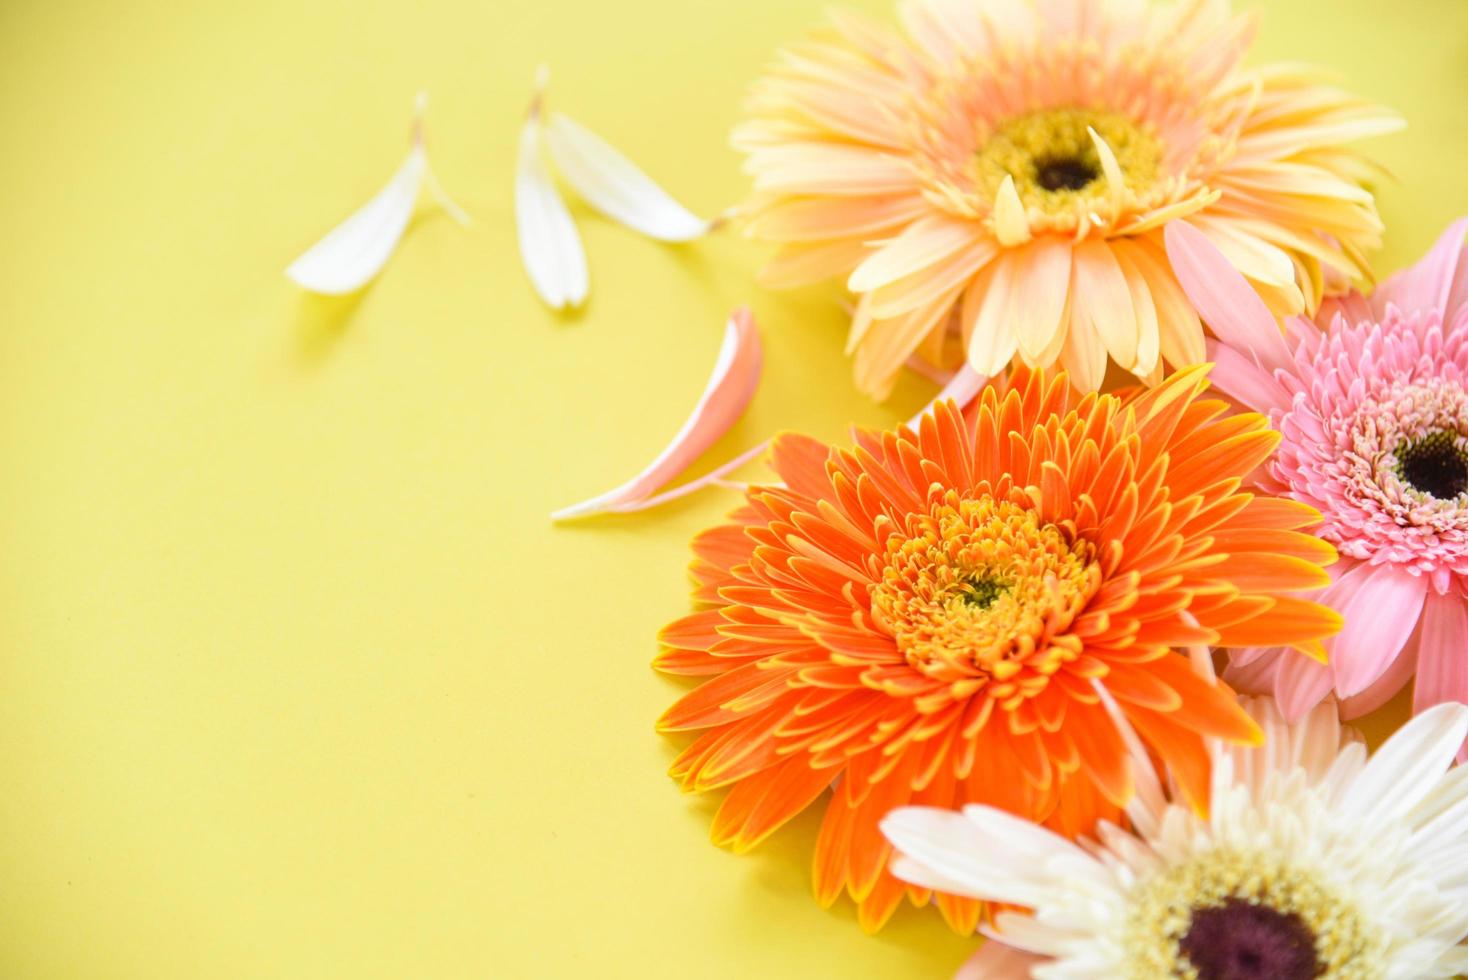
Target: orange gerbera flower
[996,178]
[926,618]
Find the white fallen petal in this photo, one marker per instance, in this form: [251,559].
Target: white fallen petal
[440,195]
[355,251]
[550,246]
[614,185]
[729,390]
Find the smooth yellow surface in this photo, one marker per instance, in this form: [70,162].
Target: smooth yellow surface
[298,681]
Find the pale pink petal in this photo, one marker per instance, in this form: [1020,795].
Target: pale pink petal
[996,961]
[1300,683]
[1237,376]
[1223,297]
[1247,250]
[1380,617]
[1442,654]
[730,388]
[1385,687]
[1245,656]
[1428,284]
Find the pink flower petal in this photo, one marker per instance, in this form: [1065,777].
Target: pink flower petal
[730,388]
[1352,307]
[1380,616]
[1300,683]
[1237,376]
[996,961]
[1223,297]
[1385,687]
[1429,284]
[1245,656]
[1442,654]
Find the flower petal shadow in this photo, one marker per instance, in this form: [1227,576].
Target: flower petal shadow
[321,323]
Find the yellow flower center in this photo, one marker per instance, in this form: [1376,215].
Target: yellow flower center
[978,587]
[1239,913]
[1057,168]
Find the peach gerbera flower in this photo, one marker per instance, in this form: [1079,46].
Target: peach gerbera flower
[925,618]
[995,179]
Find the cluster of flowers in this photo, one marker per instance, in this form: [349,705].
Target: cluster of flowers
[986,641]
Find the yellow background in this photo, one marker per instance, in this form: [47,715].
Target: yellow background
[298,681]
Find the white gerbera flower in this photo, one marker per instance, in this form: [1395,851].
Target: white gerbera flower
[1313,862]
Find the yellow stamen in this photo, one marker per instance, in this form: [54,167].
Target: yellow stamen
[1065,166]
[984,588]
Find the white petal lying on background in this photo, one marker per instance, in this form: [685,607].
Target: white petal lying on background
[550,246]
[450,206]
[357,249]
[614,185]
[729,390]
[354,251]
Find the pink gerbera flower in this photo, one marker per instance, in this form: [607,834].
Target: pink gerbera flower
[1372,400]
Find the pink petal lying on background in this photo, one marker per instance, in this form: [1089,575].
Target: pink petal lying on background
[961,389]
[730,388]
[637,493]
[996,961]
[1223,297]
[1428,284]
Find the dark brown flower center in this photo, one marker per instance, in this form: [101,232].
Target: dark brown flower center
[1435,465]
[1066,173]
[1239,940]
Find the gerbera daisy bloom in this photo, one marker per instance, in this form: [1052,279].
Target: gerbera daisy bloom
[1312,862]
[995,179]
[924,617]
[1372,402]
